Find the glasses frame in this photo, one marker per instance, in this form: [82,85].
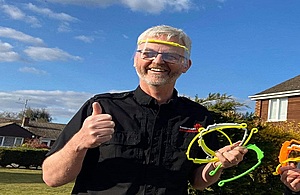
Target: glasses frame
[179,61]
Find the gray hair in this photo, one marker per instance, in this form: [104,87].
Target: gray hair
[157,31]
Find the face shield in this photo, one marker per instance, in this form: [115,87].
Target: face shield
[172,57]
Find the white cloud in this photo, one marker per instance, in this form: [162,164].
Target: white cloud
[102,3]
[61,105]
[7,54]
[125,36]
[86,39]
[149,6]
[20,36]
[17,14]
[37,53]
[64,27]
[32,70]
[49,13]
[49,54]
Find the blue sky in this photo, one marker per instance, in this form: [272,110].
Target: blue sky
[58,53]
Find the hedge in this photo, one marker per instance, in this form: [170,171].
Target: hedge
[22,156]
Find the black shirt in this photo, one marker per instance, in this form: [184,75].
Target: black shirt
[287,191]
[147,153]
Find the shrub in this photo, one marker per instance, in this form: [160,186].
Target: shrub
[22,156]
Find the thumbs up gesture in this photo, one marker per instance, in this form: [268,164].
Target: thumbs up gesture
[96,129]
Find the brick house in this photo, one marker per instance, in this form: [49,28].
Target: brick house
[280,102]
[15,132]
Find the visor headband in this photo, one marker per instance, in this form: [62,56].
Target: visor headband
[163,42]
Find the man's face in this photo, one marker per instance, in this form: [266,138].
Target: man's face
[158,69]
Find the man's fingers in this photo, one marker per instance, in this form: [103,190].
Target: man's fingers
[96,109]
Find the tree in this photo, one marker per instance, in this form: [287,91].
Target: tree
[224,108]
[11,115]
[39,114]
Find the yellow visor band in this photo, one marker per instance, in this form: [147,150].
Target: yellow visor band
[163,42]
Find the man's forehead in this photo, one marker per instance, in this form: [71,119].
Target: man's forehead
[164,37]
[162,43]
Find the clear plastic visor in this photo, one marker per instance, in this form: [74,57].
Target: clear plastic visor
[148,52]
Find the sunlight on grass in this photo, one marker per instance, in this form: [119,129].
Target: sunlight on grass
[27,182]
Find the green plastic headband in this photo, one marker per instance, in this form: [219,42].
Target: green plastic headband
[260,156]
[163,42]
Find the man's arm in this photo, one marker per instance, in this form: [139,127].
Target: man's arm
[228,156]
[64,165]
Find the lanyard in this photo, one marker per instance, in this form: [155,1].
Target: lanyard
[285,150]
[211,156]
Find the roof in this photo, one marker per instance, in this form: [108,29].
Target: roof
[287,88]
[46,130]
[13,129]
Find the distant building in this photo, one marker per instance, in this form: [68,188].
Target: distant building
[15,132]
[280,102]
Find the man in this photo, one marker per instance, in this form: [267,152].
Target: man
[135,142]
[290,176]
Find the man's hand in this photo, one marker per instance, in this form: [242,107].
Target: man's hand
[230,155]
[96,129]
[291,177]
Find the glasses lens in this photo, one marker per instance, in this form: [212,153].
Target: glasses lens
[148,55]
[173,58]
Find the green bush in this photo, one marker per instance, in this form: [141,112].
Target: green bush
[22,156]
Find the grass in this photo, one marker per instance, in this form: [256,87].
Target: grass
[14,181]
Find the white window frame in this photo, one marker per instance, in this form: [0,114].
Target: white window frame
[2,140]
[14,142]
[46,141]
[277,112]
[20,138]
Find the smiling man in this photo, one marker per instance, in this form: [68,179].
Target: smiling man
[135,142]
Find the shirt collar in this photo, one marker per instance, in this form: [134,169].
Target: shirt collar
[144,99]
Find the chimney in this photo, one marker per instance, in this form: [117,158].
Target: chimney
[25,121]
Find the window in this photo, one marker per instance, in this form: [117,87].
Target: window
[8,141]
[46,142]
[18,141]
[11,141]
[277,109]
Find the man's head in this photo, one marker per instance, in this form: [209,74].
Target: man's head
[169,32]
[163,54]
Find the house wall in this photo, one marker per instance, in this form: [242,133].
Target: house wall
[293,112]
[258,108]
[294,109]
[264,104]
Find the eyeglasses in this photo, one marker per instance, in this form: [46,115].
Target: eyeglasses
[173,58]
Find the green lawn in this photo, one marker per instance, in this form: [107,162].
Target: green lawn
[14,181]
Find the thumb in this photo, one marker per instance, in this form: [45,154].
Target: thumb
[96,109]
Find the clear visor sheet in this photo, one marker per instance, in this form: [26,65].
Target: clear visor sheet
[148,53]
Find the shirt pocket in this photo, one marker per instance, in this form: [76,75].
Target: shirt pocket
[180,139]
[122,145]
